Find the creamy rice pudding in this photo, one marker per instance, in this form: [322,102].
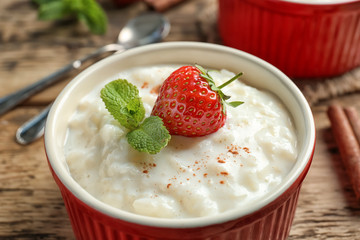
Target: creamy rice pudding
[191,177]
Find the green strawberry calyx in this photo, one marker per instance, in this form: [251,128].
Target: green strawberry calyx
[205,74]
[123,102]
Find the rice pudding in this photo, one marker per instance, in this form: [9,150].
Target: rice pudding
[191,177]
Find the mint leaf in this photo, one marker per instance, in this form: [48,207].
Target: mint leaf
[44,1]
[151,136]
[122,100]
[93,16]
[88,11]
[52,10]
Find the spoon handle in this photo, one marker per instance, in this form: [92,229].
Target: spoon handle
[32,129]
[12,100]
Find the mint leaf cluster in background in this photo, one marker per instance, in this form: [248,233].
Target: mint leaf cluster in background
[122,100]
[88,11]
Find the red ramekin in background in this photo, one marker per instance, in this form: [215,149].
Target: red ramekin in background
[303,38]
[268,218]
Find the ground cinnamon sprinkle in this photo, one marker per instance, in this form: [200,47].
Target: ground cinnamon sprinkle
[145,85]
[155,89]
[147,166]
[233,151]
[246,149]
[224,173]
[222,182]
[168,186]
[221,161]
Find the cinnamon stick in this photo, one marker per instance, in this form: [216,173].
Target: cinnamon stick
[347,143]
[354,120]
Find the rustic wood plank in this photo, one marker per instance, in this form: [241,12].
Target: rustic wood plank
[31,205]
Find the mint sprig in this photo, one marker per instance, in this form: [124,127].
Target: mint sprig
[151,136]
[122,100]
[88,11]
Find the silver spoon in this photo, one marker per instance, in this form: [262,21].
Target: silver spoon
[142,30]
[32,129]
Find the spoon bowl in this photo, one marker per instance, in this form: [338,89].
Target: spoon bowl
[144,29]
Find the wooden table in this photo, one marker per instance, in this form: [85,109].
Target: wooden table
[31,206]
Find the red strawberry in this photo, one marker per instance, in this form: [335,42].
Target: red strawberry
[190,104]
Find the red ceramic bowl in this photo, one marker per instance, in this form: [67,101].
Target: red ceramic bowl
[268,218]
[303,38]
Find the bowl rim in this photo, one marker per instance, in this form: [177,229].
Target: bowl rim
[66,180]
